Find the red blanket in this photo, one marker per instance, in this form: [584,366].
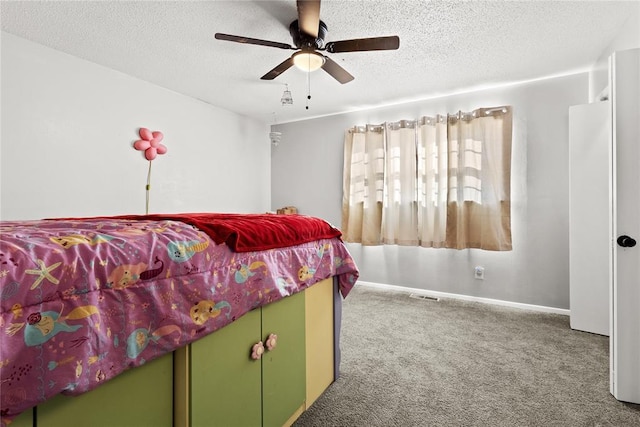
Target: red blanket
[252,232]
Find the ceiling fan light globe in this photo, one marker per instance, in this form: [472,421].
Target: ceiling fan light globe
[308,60]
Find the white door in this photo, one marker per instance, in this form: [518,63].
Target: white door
[625,298]
[590,230]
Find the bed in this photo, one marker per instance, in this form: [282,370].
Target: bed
[98,307]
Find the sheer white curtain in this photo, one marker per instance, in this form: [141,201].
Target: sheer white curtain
[363,185]
[399,213]
[433,180]
[441,181]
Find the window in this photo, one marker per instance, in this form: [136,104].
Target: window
[440,181]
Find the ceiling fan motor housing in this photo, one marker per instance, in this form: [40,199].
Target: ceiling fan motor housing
[302,40]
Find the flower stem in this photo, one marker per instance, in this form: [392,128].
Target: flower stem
[148,188]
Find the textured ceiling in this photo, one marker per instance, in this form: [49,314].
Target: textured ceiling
[445,46]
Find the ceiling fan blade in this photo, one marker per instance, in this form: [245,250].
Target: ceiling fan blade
[336,71]
[279,69]
[309,16]
[248,40]
[358,45]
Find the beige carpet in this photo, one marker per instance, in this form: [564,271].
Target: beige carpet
[410,362]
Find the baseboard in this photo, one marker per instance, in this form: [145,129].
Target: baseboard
[437,294]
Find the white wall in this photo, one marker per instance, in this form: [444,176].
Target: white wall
[66,143]
[307,173]
[628,38]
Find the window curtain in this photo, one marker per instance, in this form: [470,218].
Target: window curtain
[363,185]
[441,181]
[399,213]
[433,158]
[479,202]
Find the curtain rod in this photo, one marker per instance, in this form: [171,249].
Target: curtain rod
[460,115]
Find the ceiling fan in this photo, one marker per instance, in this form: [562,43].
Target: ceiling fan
[308,33]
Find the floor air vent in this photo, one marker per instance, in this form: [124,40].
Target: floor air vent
[424,297]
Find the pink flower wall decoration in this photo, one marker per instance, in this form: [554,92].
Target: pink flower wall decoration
[150,143]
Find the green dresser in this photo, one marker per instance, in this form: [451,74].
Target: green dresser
[25,419]
[139,397]
[229,388]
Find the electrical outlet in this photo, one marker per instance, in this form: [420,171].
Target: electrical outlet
[478,273]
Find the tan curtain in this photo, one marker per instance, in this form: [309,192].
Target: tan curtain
[363,185]
[479,202]
[399,213]
[441,181]
[432,180]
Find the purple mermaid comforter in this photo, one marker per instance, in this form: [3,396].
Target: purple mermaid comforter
[82,301]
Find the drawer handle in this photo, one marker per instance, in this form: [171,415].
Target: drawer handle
[257,350]
[272,340]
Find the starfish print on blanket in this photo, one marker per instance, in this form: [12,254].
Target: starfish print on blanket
[44,273]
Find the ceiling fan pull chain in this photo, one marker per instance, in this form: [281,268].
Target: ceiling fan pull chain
[308,88]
